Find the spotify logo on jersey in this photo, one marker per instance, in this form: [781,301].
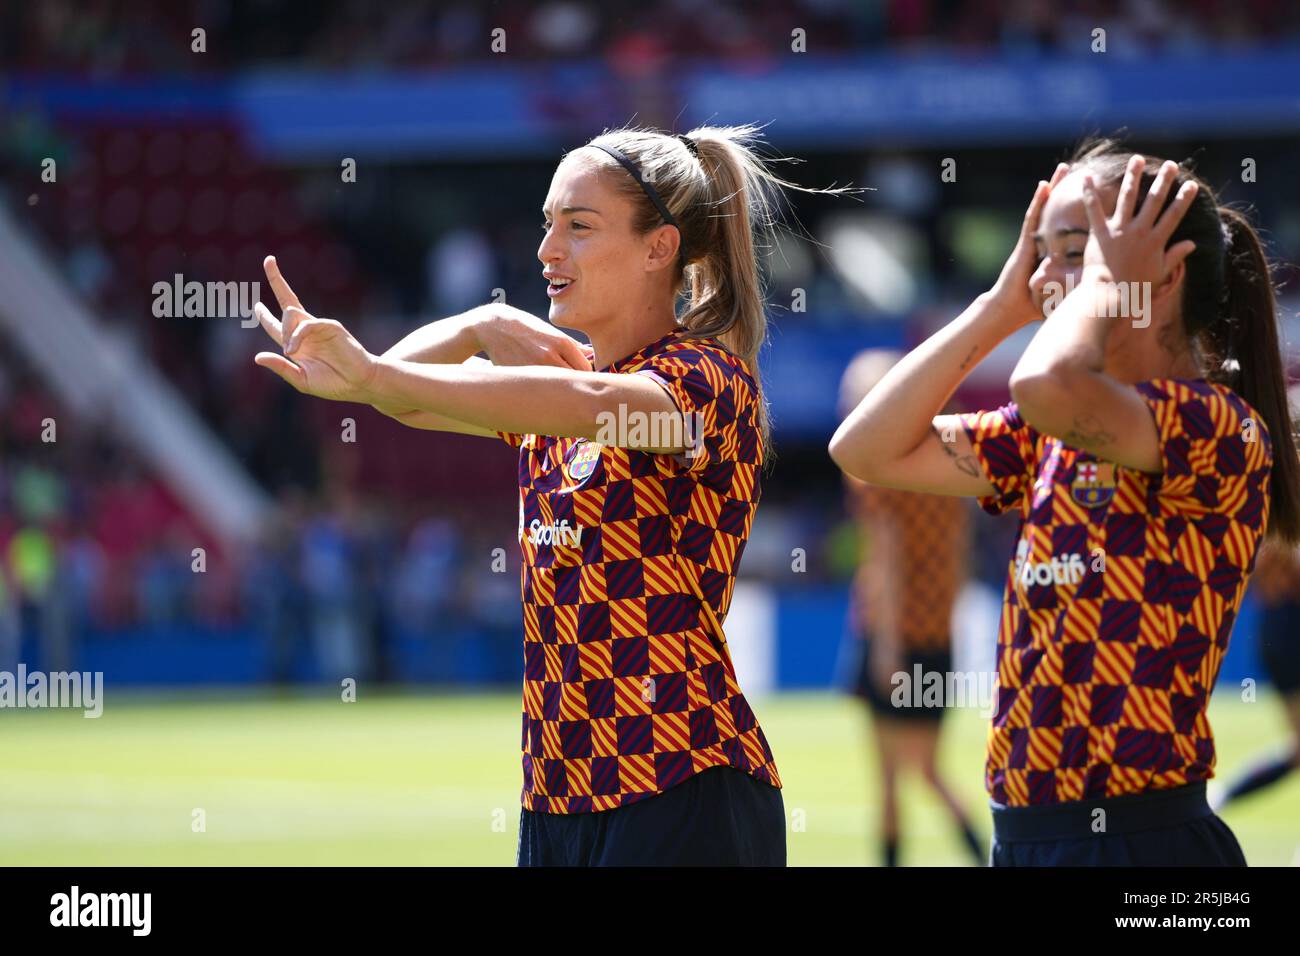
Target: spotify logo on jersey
[556,533]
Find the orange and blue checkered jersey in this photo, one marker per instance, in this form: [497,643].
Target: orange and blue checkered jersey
[913,566]
[629,687]
[1121,595]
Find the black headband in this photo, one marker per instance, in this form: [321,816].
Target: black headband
[649,188]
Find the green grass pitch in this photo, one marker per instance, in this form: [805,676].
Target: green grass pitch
[421,778]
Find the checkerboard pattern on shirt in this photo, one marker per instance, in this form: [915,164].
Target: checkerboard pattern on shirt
[1121,597]
[915,548]
[627,690]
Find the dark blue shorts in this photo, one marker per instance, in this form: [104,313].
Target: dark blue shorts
[719,817]
[909,706]
[1173,827]
[1279,645]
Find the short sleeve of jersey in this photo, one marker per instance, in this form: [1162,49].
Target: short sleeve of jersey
[1005,447]
[1211,443]
[716,402]
[512,438]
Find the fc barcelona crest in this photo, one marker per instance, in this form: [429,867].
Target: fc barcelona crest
[1094,483]
[582,461]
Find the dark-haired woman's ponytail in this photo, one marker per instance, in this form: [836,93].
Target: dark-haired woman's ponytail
[1245,345]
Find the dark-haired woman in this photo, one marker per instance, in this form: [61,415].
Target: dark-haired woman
[1148,449]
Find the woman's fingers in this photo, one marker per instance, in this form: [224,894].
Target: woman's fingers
[1034,212]
[1092,206]
[291,309]
[282,367]
[283,294]
[1014,277]
[1151,206]
[1169,220]
[1128,189]
[280,331]
[270,323]
[1062,170]
[1025,254]
[293,318]
[304,328]
[573,356]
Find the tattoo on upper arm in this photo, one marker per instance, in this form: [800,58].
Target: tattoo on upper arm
[969,355]
[1088,430]
[968,464]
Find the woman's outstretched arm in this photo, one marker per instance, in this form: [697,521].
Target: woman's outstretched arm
[322,358]
[524,399]
[508,335]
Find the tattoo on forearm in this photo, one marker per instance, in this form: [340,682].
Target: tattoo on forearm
[968,464]
[1088,430]
[969,355]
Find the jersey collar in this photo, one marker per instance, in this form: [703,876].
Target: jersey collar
[646,349]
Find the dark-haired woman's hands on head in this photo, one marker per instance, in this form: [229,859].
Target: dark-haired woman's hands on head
[897,436]
[1130,245]
[1011,294]
[1061,384]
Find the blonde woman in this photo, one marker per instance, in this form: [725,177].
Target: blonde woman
[638,745]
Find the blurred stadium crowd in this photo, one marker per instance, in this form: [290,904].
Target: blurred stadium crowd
[391,538]
[115,36]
